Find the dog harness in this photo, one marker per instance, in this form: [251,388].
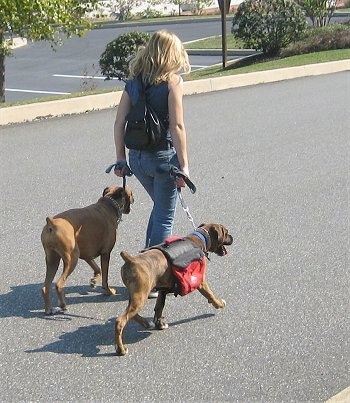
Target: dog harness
[187,261]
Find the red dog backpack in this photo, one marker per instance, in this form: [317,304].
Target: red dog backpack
[188,263]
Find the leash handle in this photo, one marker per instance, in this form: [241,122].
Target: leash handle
[120,165]
[175,172]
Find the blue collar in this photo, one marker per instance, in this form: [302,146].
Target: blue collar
[201,237]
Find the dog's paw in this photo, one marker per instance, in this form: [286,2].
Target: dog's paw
[121,352]
[223,303]
[161,324]
[110,291]
[95,280]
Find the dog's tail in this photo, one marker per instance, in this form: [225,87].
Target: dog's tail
[48,235]
[50,225]
[126,256]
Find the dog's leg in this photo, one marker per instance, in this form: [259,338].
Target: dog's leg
[159,320]
[205,290]
[104,267]
[97,273]
[70,261]
[52,262]
[136,303]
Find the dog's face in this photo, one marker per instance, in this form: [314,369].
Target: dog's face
[124,197]
[219,237]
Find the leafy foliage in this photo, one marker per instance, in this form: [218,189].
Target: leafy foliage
[334,36]
[149,12]
[319,11]
[44,19]
[268,25]
[40,20]
[199,6]
[114,61]
[125,7]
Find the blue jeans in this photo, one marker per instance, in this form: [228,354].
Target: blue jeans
[152,169]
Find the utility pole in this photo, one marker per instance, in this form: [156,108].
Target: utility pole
[224,6]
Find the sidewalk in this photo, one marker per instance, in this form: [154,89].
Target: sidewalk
[30,112]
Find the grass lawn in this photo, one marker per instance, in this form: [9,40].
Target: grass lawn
[215,42]
[300,60]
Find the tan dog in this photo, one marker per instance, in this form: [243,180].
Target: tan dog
[150,269]
[84,233]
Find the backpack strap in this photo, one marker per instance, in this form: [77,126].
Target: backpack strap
[180,252]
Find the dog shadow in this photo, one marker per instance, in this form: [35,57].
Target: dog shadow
[26,300]
[187,320]
[83,340]
[88,341]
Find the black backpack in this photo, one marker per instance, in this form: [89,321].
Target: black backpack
[143,129]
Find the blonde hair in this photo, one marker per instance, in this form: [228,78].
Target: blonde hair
[161,57]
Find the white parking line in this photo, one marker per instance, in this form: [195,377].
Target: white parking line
[103,78]
[37,92]
[71,76]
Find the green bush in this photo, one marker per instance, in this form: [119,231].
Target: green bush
[335,36]
[268,25]
[114,61]
[149,13]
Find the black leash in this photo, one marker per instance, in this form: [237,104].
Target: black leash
[128,173]
[176,173]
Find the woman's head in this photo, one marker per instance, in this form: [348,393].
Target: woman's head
[161,57]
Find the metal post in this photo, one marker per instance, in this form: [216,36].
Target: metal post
[223,9]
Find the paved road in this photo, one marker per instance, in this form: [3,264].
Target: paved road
[36,71]
[272,163]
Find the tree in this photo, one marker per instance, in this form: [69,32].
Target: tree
[319,11]
[125,7]
[114,61]
[40,20]
[178,3]
[199,5]
[268,25]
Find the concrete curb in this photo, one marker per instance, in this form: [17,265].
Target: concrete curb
[342,397]
[268,76]
[30,112]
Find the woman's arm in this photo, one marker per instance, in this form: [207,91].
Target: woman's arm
[176,122]
[119,126]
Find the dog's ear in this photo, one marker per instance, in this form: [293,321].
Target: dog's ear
[105,191]
[128,201]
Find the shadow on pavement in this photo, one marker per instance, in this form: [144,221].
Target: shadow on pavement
[26,301]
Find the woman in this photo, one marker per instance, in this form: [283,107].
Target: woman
[158,64]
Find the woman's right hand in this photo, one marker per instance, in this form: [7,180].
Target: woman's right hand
[121,168]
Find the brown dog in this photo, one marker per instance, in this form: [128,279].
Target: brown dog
[84,233]
[151,269]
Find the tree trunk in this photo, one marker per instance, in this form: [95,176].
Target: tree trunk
[2,67]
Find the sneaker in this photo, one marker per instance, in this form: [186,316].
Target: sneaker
[153,294]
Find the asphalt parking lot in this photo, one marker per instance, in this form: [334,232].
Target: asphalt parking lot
[271,163]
